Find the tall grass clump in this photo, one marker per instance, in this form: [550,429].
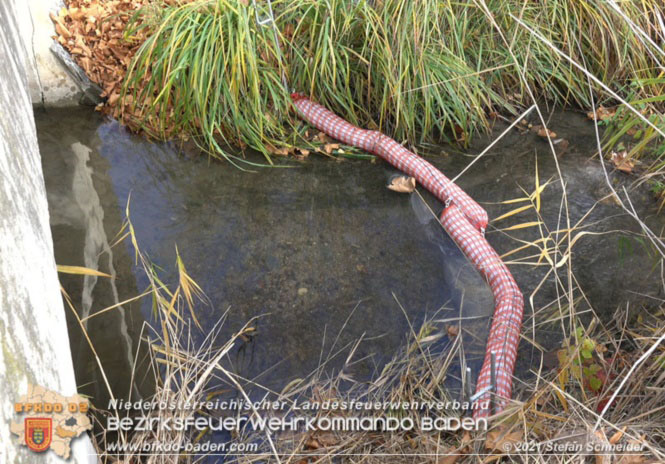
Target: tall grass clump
[208,71]
[420,71]
[387,65]
[591,33]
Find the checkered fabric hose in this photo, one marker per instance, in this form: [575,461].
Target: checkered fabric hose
[504,333]
[465,221]
[394,153]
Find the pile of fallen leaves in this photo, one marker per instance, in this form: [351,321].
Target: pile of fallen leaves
[92,31]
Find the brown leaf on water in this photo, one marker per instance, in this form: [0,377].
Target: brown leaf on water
[402,184]
[622,162]
[543,132]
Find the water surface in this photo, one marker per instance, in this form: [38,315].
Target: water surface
[321,251]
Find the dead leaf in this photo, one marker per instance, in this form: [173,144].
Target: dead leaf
[62,30]
[492,458]
[460,133]
[544,132]
[301,154]
[602,113]
[502,441]
[622,162]
[321,137]
[329,147]
[402,184]
[601,439]
[282,151]
[614,439]
[81,270]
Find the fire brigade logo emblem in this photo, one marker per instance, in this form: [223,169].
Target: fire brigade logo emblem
[38,433]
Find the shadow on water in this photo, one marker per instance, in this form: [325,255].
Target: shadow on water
[317,250]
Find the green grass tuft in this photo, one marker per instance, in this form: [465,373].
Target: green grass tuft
[421,71]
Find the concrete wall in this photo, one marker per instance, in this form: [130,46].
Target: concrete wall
[48,81]
[33,333]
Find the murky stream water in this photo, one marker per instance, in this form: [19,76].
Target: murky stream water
[317,250]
